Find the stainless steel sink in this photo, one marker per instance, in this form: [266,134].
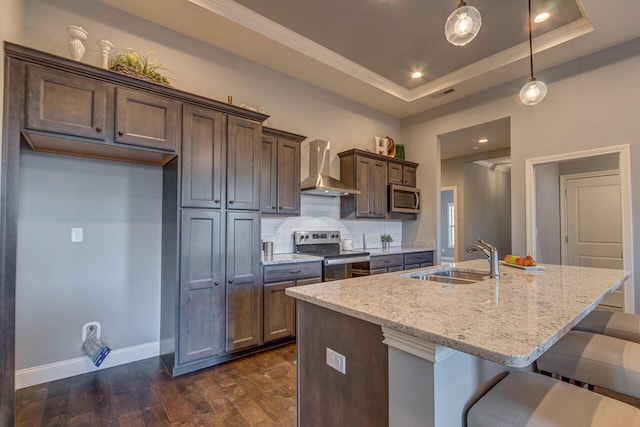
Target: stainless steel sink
[451,276]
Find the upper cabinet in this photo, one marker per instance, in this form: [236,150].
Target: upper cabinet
[146,120]
[203,149]
[84,100]
[371,173]
[402,173]
[280,172]
[243,163]
[367,173]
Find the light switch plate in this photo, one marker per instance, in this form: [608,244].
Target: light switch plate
[76,235]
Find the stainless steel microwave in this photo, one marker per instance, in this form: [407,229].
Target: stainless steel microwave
[404,199]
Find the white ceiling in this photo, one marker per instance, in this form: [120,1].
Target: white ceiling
[365,49]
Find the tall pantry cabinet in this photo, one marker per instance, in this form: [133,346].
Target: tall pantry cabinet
[219,306]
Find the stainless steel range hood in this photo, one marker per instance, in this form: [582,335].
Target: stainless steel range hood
[319,182]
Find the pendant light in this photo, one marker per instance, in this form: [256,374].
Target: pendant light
[463,24]
[534,91]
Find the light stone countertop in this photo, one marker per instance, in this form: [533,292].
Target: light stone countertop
[393,250]
[510,321]
[290,258]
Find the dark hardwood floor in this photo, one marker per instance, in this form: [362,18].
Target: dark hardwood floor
[258,390]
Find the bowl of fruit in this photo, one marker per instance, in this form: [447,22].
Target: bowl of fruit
[523,262]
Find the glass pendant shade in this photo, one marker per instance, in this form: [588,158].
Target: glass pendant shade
[533,92]
[463,25]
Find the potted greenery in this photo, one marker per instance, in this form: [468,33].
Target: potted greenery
[136,65]
[386,241]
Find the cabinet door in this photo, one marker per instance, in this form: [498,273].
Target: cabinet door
[202,157]
[243,164]
[279,311]
[395,174]
[364,174]
[409,176]
[146,120]
[202,286]
[269,175]
[84,102]
[244,290]
[288,177]
[378,189]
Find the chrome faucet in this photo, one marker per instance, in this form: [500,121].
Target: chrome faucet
[491,253]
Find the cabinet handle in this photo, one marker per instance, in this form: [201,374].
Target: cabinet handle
[295,272]
[120,133]
[98,129]
[230,281]
[230,202]
[273,207]
[216,201]
[216,283]
[280,207]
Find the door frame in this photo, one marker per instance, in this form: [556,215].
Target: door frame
[624,156]
[455,218]
[563,203]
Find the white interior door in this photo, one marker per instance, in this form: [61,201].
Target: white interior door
[592,221]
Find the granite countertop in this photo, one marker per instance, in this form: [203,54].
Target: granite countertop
[398,250]
[292,258]
[511,320]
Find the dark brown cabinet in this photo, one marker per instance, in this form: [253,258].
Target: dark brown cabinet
[146,120]
[202,286]
[243,163]
[244,289]
[73,114]
[280,172]
[84,100]
[203,149]
[385,263]
[369,175]
[418,260]
[279,309]
[402,174]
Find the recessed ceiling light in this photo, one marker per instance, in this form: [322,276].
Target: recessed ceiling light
[541,17]
[416,75]
[483,141]
[475,147]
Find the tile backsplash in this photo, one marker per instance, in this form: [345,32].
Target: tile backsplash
[323,213]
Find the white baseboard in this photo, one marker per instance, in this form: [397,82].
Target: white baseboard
[82,365]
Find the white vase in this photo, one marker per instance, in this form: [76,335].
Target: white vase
[105,48]
[76,45]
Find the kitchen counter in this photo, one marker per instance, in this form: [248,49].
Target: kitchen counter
[422,351]
[290,258]
[510,321]
[398,250]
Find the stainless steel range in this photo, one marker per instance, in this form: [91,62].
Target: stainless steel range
[337,263]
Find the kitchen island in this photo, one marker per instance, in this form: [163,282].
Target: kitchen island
[417,352]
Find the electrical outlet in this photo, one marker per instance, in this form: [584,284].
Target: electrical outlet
[88,327]
[76,235]
[337,361]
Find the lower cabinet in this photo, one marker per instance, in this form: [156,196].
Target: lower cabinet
[244,289]
[418,260]
[279,309]
[202,286]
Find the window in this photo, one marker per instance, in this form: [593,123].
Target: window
[451,226]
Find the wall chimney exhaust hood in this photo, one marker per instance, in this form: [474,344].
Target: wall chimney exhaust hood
[319,182]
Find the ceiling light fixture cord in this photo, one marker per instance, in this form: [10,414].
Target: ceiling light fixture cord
[534,91]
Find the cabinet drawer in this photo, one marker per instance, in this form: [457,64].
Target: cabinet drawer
[418,258]
[385,261]
[298,270]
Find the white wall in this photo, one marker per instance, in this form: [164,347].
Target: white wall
[593,108]
[114,276]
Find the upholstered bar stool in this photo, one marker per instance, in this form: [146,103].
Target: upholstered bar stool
[595,359]
[530,399]
[612,323]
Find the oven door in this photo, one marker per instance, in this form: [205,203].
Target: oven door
[338,268]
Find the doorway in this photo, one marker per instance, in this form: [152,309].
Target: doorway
[448,223]
[540,198]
